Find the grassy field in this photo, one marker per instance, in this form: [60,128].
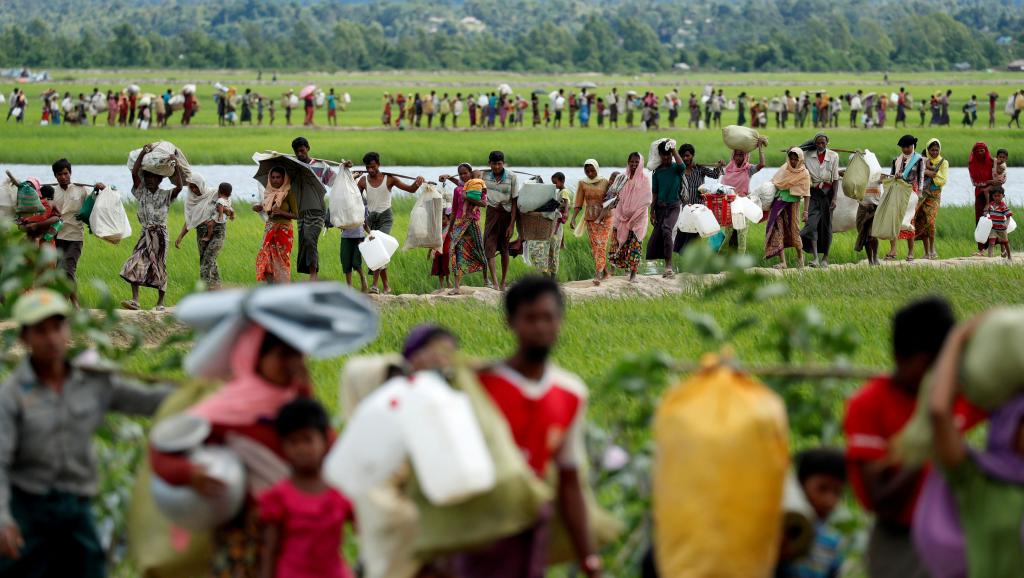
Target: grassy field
[33,144]
[409,270]
[523,147]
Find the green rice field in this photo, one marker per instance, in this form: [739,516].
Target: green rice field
[206,144]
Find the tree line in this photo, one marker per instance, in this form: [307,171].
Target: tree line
[517,35]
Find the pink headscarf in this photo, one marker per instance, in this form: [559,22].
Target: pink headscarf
[630,214]
[248,397]
[738,177]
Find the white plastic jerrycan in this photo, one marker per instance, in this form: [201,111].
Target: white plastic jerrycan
[449,455]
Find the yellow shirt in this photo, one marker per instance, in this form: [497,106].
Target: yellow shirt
[69,202]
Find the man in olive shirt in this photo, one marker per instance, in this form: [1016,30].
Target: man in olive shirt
[68,198]
[312,211]
[50,407]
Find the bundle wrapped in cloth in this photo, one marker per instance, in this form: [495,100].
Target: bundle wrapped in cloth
[741,138]
[163,160]
[321,320]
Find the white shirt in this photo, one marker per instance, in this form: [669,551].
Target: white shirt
[69,202]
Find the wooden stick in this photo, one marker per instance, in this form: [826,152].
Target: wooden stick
[810,372]
[386,173]
[13,180]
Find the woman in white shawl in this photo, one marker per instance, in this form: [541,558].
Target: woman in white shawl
[200,208]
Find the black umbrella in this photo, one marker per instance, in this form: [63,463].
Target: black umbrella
[304,180]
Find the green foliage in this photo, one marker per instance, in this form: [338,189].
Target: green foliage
[592,35]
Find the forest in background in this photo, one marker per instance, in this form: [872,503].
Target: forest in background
[513,35]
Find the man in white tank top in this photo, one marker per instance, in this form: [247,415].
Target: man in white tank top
[376,187]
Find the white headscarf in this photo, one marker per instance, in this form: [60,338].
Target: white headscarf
[202,207]
[597,167]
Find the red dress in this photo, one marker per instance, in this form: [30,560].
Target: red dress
[311,527]
[440,267]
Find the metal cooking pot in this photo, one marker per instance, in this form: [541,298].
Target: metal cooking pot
[186,508]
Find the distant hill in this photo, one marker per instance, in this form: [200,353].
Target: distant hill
[524,35]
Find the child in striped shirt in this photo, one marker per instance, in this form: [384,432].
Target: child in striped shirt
[1000,215]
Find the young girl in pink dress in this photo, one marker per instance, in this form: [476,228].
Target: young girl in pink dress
[304,517]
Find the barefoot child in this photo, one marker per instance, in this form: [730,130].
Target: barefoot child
[222,210]
[1000,215]
[351,258]
[440,267]
[304,517]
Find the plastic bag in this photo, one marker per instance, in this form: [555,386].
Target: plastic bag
[653,157]
[856,177]
[844,217]
[8,197]
[346,202]
[533,196]
[509,508]
[874,166]
[151,542]
[764,194]
[581,228]
[889,215]
[908,215]
[1011,226]
[108,219]
[721,459]
[982,230]
[88,204]
[741,138]
[425,228]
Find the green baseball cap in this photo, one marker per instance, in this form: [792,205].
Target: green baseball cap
[39,304]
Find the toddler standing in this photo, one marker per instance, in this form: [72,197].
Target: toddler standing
[304,516]
[1000,215]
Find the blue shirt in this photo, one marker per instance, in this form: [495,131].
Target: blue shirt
[823,561]
[331,102]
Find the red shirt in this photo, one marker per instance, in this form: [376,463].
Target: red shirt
[546,416]
[876,414]
[312,528]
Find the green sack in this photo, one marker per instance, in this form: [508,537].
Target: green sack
[149,533]
[86,211]
[889,215]
[28,202]
[508,509]
[856,177]
[992,369]
[605,528]
[991,374]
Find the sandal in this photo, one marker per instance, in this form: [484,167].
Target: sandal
[159,309]
[910,258]
[454,292]
[374,291]
[889,258]
[130,305]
